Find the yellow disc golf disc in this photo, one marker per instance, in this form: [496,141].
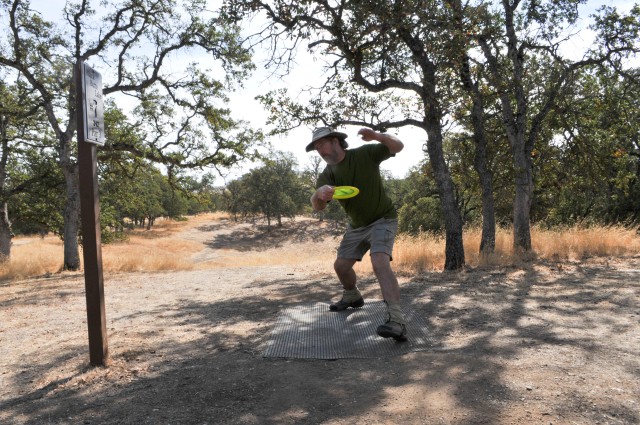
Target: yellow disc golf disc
[345,192]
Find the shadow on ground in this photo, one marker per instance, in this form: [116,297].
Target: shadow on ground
[257,237]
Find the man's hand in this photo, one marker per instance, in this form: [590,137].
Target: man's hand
[326,192]
[321,196]
[367,134]
[391,142]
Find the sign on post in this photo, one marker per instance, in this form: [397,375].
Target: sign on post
[90,131]
[93,106]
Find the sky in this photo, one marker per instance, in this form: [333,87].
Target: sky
[307,72]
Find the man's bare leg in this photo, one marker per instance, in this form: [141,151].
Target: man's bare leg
[386,277]
[345,272]
[351,297]
[395,326]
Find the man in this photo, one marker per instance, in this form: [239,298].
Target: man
[372,217]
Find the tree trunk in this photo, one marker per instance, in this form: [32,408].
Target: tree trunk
[5,234]
[516,128]
[454,248]
[488,238]
[514,119]
[522,201]
[71,218]
[5,224]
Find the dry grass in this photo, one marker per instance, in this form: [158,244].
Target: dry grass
[164,227]
[165,248]
[156,250]
[425,252]
[33,256]
[576,243]
[142,253]
[160,249]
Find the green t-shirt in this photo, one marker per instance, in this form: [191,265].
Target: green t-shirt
[361,168]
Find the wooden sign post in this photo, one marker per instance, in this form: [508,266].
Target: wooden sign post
[90,131]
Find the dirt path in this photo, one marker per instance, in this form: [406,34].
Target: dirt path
[538,345]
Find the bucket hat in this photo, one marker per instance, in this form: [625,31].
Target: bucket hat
[321,132]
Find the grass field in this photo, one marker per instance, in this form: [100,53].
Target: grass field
[426,252]
[165,248]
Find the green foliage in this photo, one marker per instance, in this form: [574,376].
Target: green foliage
[419,209]
[31,181]
[199,196]
[396,189]
[421,215]
[111,225]
[592,173]
[38,209]
[134,191]
[273,191]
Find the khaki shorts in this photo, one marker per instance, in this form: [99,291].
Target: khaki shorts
[376,237]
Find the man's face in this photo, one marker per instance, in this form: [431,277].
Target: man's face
[329,149]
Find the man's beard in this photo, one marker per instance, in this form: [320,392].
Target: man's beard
[330,158]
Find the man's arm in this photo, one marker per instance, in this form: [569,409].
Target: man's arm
[391,142]
[321,197]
